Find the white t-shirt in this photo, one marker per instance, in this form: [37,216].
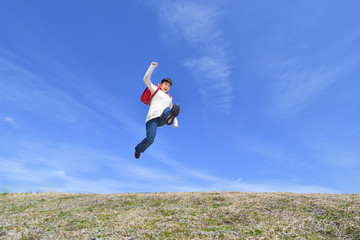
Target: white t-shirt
[160,101]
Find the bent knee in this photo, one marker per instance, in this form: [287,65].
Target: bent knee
[149,140]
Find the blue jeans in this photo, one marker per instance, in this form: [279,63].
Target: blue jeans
[151,127]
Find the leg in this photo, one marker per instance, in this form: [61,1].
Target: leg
[164,116]
[175,110]
[151,127]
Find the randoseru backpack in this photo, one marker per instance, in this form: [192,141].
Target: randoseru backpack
[146,97]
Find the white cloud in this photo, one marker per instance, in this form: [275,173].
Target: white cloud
[195,20]
[296,84]
[8,120]
[268,186]
[341,155]
[89,170]
[79,102]
[24,90]
[198,180]
[196,25]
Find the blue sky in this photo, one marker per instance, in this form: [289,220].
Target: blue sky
[269,95]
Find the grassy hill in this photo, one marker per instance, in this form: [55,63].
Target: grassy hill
[200,215]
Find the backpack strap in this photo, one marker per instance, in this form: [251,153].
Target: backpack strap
[152,95]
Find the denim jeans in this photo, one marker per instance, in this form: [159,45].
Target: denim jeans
[151,127]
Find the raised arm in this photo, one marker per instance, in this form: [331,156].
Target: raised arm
[148,75]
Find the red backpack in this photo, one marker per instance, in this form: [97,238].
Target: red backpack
[146,97]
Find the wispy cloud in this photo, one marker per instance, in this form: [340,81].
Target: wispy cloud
[78,169]
[24,90]
[42,162]
[79,101]
[302,69]
[343,154]
[296,84]
[74,169]
[9,121]
[189,179]
[196,25]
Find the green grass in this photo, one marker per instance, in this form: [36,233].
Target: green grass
[206,215]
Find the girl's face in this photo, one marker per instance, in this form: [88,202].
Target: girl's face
[165,87]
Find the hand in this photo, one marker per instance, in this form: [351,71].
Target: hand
[155,64]
[175,126]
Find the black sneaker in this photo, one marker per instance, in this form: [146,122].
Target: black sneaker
[137,155]
[175,110]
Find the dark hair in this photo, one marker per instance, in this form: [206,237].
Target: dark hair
[167,80]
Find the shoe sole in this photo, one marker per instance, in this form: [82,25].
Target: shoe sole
[175,110]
